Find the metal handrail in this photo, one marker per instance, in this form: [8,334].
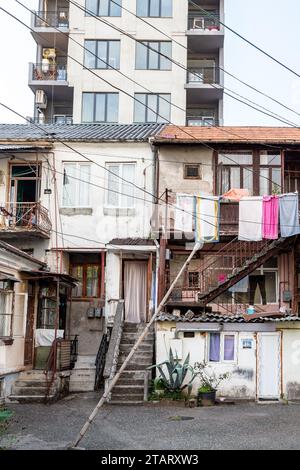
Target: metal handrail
[48,19]
[204,22]
[51,71]
[202,75]
[100,362]
[30,215]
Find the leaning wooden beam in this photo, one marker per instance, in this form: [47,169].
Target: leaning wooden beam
[133,350]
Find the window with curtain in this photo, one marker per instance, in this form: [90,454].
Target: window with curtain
[103,7]
[148,59]
[154,8]
[150,107]
[120,191]
[270,173]
[76,188]
[6,309]
[100,107]
[222,347]
[102,54]
[235,171]
[88,276]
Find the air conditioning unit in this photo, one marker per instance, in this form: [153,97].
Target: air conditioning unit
[49,53]
[41,99]
[198,23]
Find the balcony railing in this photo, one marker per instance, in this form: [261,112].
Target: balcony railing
[204,23]
[48,19]
[202,121]
[28,216]
[202,75]
[49,72]
[58,119]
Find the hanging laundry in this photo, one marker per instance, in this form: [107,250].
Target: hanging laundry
[207,218]
[184,213]
[270,217]
[289,214]
[236,194]
[250,218]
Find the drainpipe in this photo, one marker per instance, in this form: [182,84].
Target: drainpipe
[156,272]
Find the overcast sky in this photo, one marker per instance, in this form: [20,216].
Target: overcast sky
[271,24]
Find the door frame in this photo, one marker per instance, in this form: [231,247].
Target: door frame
[30,325]
[277,334]
[149,280]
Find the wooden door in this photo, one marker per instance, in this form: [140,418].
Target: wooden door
[28,352]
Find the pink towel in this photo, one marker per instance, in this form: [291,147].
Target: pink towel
[270,217]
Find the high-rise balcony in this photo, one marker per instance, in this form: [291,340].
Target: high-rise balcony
[204,83]
[206,26]
[52,78]
[51,19]
[51,26]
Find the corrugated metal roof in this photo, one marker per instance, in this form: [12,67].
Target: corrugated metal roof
[215,318]
[132,241]
[230,134]
[79,132]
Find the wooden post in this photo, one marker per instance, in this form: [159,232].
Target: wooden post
[133,350]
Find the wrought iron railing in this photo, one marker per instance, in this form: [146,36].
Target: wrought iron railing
[27,215]
[204,75]
[74,351]
[49,72]
[204,22]
[100,362]
[48,19]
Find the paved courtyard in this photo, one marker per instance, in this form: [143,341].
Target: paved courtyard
[240,426]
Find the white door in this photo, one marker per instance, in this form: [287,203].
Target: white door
[269,365]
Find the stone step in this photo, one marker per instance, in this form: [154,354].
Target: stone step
[83,374]
[128,381]
[126,339]
[133,375]
[138,354]
[33,383]
[126,403]
[141,348]
[128,389]
[127,398]
[32,398]
[81,386]
[32,391]
[135,367]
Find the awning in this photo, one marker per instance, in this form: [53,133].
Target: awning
[36,275]
[22,148]
[8,277]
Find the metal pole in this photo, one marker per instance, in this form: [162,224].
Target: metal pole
[138,342]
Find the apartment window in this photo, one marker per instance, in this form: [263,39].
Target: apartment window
[120,191]
[194,279]
[201,117]
[88,276]
[154,8]
[102,54]
[149,107]
[235,170]
[222,347]
[192,171]
[76,186]
[103,7]
[100,107]
[269,173]
[148,59]
[6,308]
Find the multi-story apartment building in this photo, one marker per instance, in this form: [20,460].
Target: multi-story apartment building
[130,82]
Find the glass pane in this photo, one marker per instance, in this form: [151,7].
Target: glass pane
[128,189]
[264,181]
[166,8]
[87,107]
[166,49]
[115,10]
[141,56]
[5,325]
[139,107]
[102,54]
[248,180]
[69,185]
[163,108]
[225,180]
[113,185]
[84,176]
[151,110]
[270,280]
[114,54]
[112,107]
[92,274]
[103,7]
[154,7]
[77,272]
[276,180]
[270,158]
[153,56]
[228,347]
[142,7]
[235,177]
[214,347]
[89,57]
[91,6]
[100,107]
[235,159]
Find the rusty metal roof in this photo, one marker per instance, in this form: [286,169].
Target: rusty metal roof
[216,318]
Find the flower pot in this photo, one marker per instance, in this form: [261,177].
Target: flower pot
[207,398]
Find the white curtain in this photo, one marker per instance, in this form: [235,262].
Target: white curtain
[135,291]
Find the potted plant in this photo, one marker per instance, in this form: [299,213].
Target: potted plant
[210,382]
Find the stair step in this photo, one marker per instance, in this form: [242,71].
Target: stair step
[125,381]
[32,391]
[128,389]
[141,348]
[138,374]
[32,383]
[32,398]
[136,367]
[125,403]
[128,398]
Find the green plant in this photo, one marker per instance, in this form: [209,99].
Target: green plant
[173,379]
[209,380]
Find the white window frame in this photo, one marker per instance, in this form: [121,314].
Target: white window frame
[77,183]
[222,342]
[11,294]
[120,181]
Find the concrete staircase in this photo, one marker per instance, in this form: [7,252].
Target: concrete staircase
[82,377]
[129,389]
[31,387]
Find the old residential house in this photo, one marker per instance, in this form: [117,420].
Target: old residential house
[85,215]
[208,312]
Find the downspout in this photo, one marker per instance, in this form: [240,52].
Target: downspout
[156,273]
[155,192]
